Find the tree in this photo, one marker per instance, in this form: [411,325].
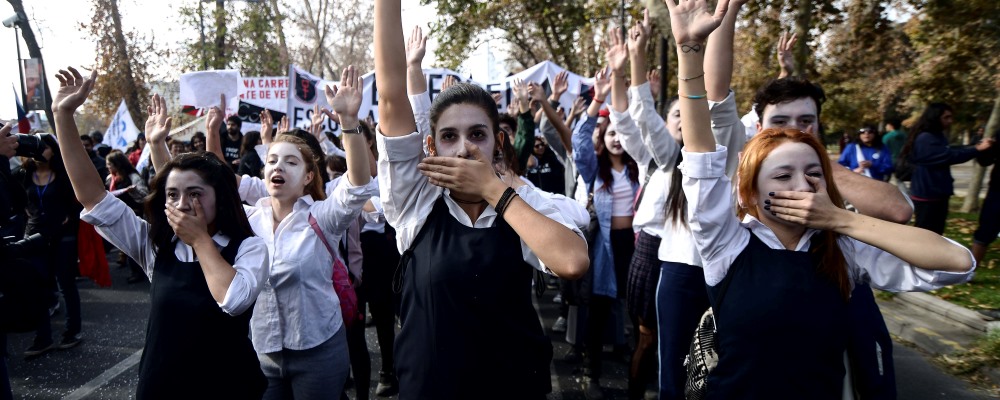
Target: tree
[123,59]
[337,34]
[34,52]
[568,32]
[247,36]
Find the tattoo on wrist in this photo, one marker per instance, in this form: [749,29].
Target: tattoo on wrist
[691,48]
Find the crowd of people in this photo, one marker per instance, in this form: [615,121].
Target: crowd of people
[266,249]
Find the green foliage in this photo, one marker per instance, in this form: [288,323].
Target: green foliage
[250,40]
[123,59]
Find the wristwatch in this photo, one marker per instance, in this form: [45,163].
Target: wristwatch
[353,131]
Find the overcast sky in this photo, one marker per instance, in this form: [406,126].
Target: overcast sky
[57,26]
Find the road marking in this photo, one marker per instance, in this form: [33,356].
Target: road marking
[105,377]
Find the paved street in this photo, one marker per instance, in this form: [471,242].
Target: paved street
[105,366]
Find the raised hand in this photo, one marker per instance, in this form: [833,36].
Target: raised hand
[497,98]
[560,85]
[578,106]
[536,92]
[345,99]
[514,108]
[691,21]
[638,35]
[316,121]
[448,82]
[266,127]
[602,84]
[158,123]
[216,115]
[284,125]
[786,59]
[73,90]
[617,54]
[654,82]
[416,47]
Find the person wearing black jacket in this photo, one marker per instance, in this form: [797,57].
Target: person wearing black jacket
[989,212]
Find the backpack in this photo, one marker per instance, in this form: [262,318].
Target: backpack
[703,356]
[341,282]
[903,168]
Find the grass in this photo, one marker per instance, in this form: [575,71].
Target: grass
[983,292]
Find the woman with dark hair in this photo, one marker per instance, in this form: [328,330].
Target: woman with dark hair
[126,183]
[866,155]
[927,149]
[53,212]
[198,141]
[780,283]
[470,240]
[250,162]
[612,179]
[204,264]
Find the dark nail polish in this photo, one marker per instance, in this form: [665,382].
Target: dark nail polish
[767,206]
[768,201]
[770,194]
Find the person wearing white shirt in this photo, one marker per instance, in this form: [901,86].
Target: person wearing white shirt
[198,251]
[466,312]
[297,324]
[780,282]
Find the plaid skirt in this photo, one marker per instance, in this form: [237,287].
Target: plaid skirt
[643,277]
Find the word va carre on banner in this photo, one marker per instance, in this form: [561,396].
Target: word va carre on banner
[258,94]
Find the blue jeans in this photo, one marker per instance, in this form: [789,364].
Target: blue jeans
[681,299]
[316,373]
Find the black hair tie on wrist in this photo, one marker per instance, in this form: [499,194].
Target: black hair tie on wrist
[504,201]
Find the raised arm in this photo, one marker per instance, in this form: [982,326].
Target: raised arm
[73,91]
[157,129]
[691,25]
[719,55]
[617,57]
[602,86]
[395,113]
[416,48]
[538,94]
[345,100]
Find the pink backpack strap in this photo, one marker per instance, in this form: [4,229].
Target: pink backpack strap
[319,232]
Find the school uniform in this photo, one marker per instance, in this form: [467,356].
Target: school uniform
[296,326]
[195,346]
[782,328]
[467,322]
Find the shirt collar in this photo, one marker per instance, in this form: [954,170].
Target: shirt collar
[766,235]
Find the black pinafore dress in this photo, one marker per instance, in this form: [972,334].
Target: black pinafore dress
[194,350]
[469,329]
[782,328]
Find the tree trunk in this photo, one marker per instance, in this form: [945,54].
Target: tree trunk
[34,52]
[129,85]
[282,46]
[803,20]
[976,183]
[220,35]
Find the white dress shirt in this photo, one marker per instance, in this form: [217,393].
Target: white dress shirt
[298,308]
[721,237]
[117,223]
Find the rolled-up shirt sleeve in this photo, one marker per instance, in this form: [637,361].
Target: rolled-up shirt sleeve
[119,225]
[548,208]
[251,270]
[888,272]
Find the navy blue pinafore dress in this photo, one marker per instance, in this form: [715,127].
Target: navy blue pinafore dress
[781,329]
[194,350]
[469,329]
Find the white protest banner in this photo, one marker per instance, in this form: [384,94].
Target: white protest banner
[305,90]
[201,89]
[122,129]
[258,94]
